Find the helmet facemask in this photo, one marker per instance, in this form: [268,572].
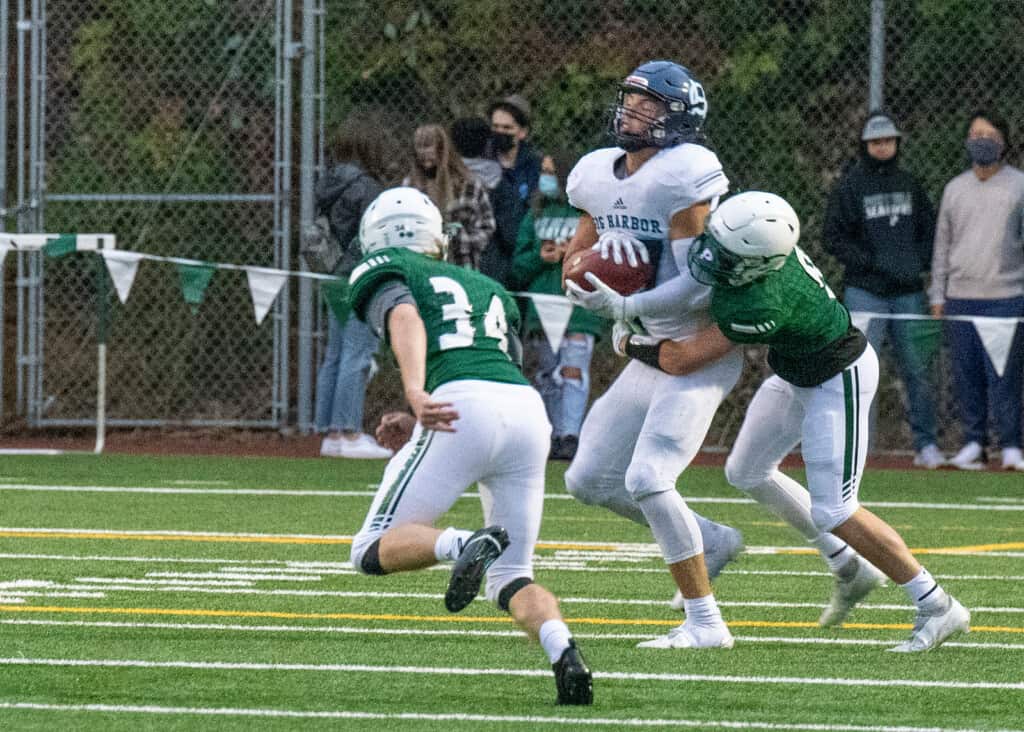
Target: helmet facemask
[712,264]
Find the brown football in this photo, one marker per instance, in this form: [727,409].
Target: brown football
[622,278]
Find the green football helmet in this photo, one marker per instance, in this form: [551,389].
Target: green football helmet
[748,236]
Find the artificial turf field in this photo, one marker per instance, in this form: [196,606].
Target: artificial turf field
[184,593]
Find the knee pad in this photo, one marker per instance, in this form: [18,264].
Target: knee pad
[826,518]
[577,486]
[366,555]
[509,591]
[743,478]
[642,480]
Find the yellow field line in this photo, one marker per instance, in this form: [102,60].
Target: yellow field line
[141,536]
[444,618]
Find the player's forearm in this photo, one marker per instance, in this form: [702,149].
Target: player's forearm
[408,340]
[684,357]
[659,302]
[583,238]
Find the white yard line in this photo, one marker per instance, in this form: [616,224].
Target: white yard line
[984,504]
[452,671]
[469,633]
[475,719]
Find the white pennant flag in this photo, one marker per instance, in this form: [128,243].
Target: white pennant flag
[5,246]
[860,320]
[996,335]
[123,267]
[554,312]
[264,285]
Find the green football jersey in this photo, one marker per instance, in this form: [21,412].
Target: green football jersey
[793,311]
[467,315]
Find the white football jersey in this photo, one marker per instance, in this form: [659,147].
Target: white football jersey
[643,204]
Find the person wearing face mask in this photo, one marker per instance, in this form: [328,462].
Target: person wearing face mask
[520,171]
[562,377]
[880,225]
[978,270]
[461,197]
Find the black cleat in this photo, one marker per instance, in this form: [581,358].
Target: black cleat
[477,555]
[573,678]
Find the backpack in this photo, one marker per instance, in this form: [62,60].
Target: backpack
[319,248]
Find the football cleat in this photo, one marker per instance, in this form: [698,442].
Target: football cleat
[572,677]
[477,555]
[691,635]
[848,592]
[727,546]
[931,631]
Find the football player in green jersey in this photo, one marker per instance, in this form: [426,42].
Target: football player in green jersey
[766,290]
[454,335]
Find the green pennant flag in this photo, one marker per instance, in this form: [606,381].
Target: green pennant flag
[63,244]
[194,281]
[335,294]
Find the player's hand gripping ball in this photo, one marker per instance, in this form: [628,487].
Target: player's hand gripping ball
[621,277]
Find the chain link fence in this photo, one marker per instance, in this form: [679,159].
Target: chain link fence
[787,84]
[165,124]
[157,122]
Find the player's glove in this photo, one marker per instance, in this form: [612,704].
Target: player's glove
[620,245]
[603,300]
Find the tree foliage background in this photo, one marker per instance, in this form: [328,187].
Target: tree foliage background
[151,96]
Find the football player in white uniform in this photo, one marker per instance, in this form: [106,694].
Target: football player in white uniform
[646,199]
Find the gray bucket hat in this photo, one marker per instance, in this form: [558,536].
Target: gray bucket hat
[879,127]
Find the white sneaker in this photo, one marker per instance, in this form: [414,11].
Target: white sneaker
[1012,459]
[929,457]
[362,447]
[931,631]
[970,457]
[691,635]
[848,592]
[728,545]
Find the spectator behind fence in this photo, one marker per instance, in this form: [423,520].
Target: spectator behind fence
[510,126]
[471,137]
[354,179]
[438,171]
[562,378]
[978,270]
[880,224]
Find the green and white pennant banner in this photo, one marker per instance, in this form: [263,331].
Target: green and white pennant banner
[996,335]
[5,246]
[264,286]
[554,312]
[122,266]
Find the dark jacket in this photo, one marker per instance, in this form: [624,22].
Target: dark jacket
[343,195]
[510,201]
[880,224]
[531,273]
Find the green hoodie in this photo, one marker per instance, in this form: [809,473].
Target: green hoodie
[557,220]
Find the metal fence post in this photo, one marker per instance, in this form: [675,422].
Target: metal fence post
[876,81]
[306,170]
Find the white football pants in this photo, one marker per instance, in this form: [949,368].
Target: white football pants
[501,443]
[830,420]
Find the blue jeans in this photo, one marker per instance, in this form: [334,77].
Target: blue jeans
[915,343]
[565,399]
[341,380]
[976,385]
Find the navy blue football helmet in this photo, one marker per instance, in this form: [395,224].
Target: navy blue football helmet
[684,100]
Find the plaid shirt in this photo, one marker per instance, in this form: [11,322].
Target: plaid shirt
[473,216]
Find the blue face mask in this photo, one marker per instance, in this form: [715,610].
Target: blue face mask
[548,185]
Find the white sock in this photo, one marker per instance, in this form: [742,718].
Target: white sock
[554,637]
[925,592]
[834,551]
[702,610]
[449,543]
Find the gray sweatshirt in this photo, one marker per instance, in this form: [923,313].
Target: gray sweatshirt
[979,238]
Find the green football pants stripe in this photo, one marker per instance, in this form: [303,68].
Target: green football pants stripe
[394,494]
[851,446]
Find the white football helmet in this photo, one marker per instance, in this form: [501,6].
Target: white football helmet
[403,217]
[748,236]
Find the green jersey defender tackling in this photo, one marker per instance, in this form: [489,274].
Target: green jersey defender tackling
[766,290]
[453,333]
